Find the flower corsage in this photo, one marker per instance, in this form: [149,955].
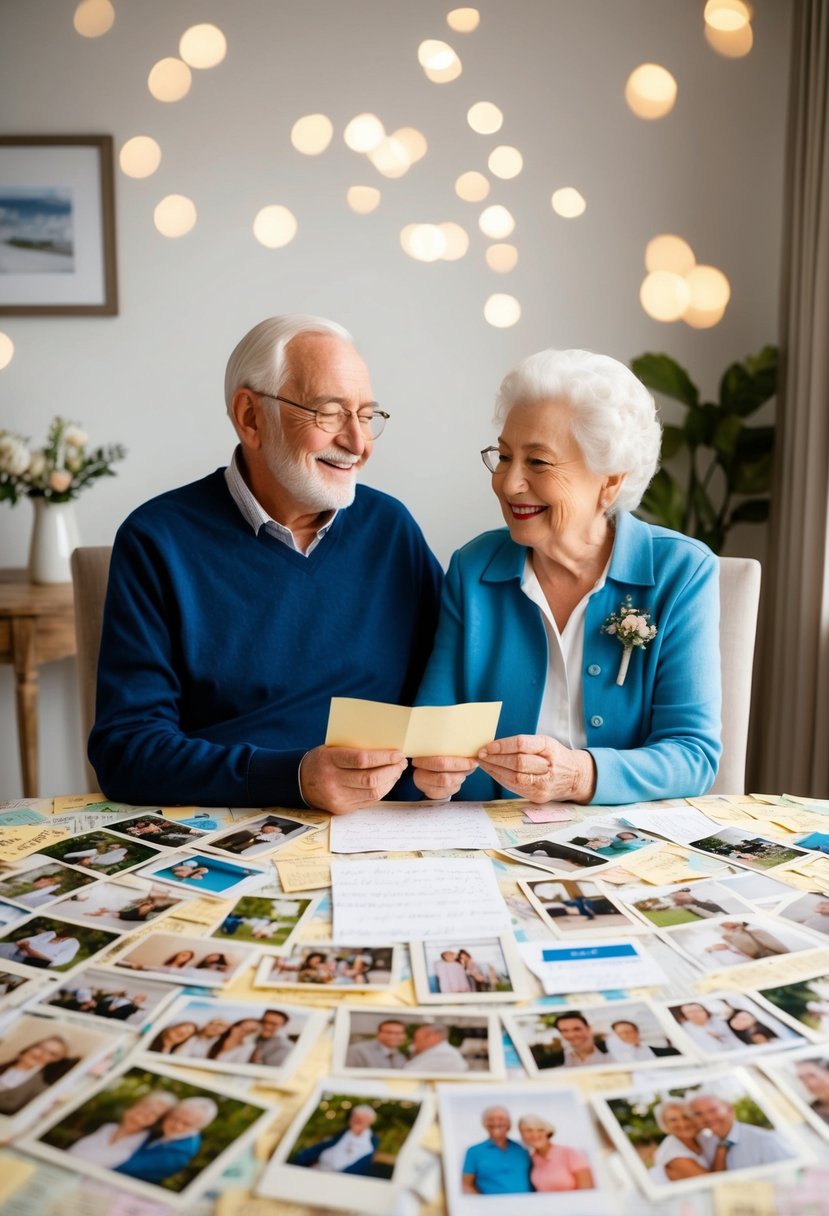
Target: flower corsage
[632,628]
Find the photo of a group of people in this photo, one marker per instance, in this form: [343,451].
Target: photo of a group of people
[158,831]
[472,972]
[725,942]
[93,992]
[185,960]
[207,875]
[684,904]
[329,966]
[38,882]
[574,908]
[405,1042]
[121,906]
[607,1037]
[729,1023]
[101,852]
[755,852]
[257,837]
[48,944]
[266,920]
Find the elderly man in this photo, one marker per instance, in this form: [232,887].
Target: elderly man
[433,1053]
[746,1145]
[240,604]
[498,1165]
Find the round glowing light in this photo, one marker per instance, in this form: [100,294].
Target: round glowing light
[312,134]
[472,187]
[413,141]
[202,46]
[650,91]
[505,161]
[463,20]
[93,18]
[6,350]
[496,222]
[702,318]
[710,293]
[390,157]
[501,258]
[364,133]
[439,61]
[502,311]
[363,199]
[423,242]
[274,226]
[568,203]
[169,80]
[139,156]
[733,44]
[667,252]
[727,15]
[485,118]
[457,241]
[175,215]
[664,295]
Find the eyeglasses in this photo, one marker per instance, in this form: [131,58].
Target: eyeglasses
[497,462]
[331,417]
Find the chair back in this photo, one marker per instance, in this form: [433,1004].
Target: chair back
[739,603]
[90,572]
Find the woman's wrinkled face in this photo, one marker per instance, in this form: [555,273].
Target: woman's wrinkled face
[679,1122]
[535,1138]
[144,1113]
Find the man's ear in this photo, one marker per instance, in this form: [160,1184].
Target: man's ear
[245,415]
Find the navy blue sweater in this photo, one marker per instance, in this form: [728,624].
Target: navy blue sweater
[221,649]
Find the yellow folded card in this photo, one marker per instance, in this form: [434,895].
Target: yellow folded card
[425,730]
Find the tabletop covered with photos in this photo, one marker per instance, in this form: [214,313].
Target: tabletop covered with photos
[414,1008]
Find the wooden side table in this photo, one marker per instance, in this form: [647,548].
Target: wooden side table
[37,625]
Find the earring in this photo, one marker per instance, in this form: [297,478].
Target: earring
[603,502]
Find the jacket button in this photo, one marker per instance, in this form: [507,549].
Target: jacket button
[594,670]
[597,720]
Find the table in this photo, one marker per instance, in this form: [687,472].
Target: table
[37,625]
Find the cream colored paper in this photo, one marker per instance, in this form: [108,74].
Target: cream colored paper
[768,972]
[664,867]
[303,873]
[13,1173]
[75,802]
[17,843]
[745,1199]
[426,730]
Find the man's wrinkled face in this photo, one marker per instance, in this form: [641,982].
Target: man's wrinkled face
[713,1113]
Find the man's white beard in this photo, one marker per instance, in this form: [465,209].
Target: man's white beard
[310,487]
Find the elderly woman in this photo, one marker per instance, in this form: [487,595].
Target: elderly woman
[539,616]
[555,1167]
[174,1144]
[685,1152]
[114,1143]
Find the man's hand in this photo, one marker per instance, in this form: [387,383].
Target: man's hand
[540,768]
[441,776]
[341,779]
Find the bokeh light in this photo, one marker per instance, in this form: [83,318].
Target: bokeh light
[502,310]
[457,241]
[485,118]
[650,91]
[501,258]
[496,222]
[169,80]
[664,295]
[423,242]
[439,61]
[727,15]
[472,187]
[732,44]
[175,215]
[363,199]
[463,20]
[568,203]
[364,133]
[6,350]
[669,252]
[202,46]
[413,141]
[505,161]
[710,293]
[274,226]
[390,157]
[139,156]
[93,18]
[312,134]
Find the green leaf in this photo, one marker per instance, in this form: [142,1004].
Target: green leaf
[726,436]
[703,507]
[673,441]
[752,476]
[662,374]
[755,441]
[700,424]
[752,511]
[746,386]
[664,500]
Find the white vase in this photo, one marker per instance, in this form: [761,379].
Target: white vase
[54,536]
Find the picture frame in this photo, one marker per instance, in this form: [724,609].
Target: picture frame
[725,1023]
[331,968]
[490,967]
[431,1044]
[57,242]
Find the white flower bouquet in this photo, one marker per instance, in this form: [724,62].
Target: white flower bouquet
[59,470]
[632,628]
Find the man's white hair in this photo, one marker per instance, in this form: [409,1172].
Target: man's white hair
[369,1112]
[259,362]
[205,1109]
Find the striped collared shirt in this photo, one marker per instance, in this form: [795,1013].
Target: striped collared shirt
[256,515]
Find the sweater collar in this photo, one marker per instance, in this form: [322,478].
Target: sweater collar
[630,563]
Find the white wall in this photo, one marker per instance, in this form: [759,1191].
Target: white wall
[151,377]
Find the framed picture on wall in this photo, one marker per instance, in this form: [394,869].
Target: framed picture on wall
[57,226]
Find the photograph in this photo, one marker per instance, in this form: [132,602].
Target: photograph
[606,838]
[16,985]
[364,1134]
[683,904]
[468,972]
[572,908]
[212,876]
[155,829]
[521,1141]
[38,882]
[185,960]
[420,1043]
[257,837]
[715,945]
[687,1134]
[48,944]
[271,921]
[147,1131]
[346,968]
[101,852]
[728,1023]
[95,992]
[755,852]
[610,1037]
[121,906]
[551,855]
[243,1038]
[10,914]
[810,911]
[803,1076]
[804,1004]
[39,1059]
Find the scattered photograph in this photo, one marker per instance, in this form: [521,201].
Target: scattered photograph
[351,968]
[715,945]
[687,1135]
[120,906]
[728,1023]
[550,855]
[41,882]
[572,908]
[756,852]
[365,1135]
[243,1038]
[804,1004]
[185,960]
[48,944]
[258,837]
[615,1035]
[811,911]
[101,852]
[10,914]
[605,837]
[95,992]
[155,829]
[757,888]
[803,1076]
[213,876]
[152,1133]
[39,1058]
[15,985]
[407,1042]
[522,1141]
[686,904]
[469,972]
[266,920]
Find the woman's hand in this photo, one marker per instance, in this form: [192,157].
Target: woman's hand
[441,776]
[539,768]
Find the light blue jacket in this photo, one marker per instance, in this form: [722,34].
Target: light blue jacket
[655,736]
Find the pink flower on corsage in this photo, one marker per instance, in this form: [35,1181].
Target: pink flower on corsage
[632,628]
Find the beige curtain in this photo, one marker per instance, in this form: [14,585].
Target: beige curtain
[791,735]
